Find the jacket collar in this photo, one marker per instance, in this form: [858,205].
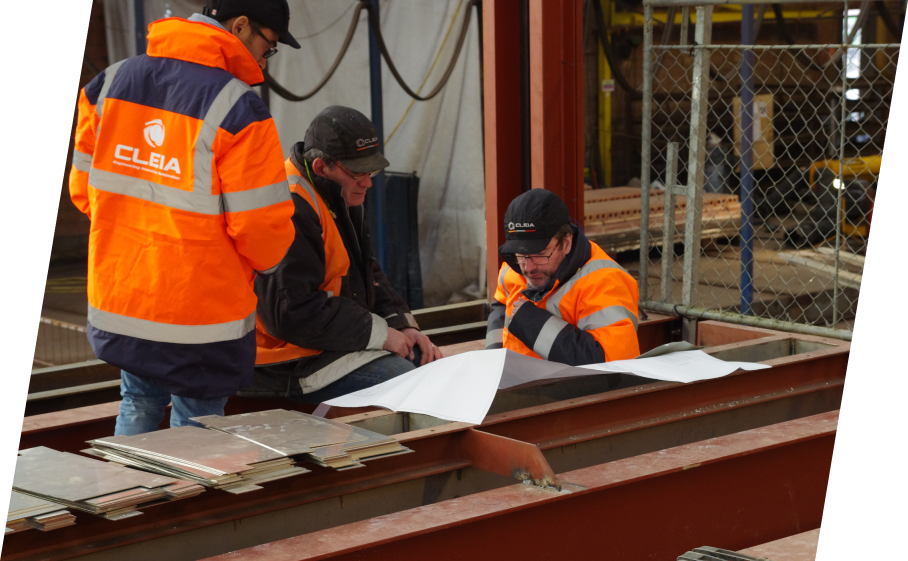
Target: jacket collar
[329,190]
[201,43]
[581,252]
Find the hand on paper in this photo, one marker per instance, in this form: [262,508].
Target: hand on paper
[399,344]
[429,351]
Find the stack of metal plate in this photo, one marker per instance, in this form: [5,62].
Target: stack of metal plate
[26,512]
[211,458]
[104,489]
[322,441]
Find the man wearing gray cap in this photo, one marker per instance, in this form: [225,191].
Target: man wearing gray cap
[328,320]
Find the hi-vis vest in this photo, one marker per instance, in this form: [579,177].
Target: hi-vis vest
[178,165]
[269,349]
[601,299]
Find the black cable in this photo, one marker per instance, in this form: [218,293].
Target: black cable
[444,79]
[290,96]
[887,19]
[609,55]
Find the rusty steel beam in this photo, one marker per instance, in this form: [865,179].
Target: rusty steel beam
[556,100]
[734,491]
[501,121]
[574,432]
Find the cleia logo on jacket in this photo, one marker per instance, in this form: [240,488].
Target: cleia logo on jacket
[153,162]
[154,133]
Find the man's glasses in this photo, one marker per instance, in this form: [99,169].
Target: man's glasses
[357,176]
[270,52]
[535,259]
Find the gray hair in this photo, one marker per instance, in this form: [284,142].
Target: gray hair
[312,153]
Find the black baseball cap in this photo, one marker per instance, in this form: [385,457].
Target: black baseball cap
[273,14]
[348,136]
[532,220]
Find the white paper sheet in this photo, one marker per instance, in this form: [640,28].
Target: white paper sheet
[685,367]
[458,388]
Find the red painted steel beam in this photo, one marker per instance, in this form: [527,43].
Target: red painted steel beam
[556,100]
[506,456]
[730,492]
[501,107]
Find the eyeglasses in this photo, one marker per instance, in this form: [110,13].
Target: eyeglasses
[535,259]
[357,176]
[270,52]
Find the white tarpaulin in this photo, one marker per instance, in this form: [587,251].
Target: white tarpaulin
[441,139]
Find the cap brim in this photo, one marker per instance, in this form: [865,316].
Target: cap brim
[287,39]
[366,164]
[524,247]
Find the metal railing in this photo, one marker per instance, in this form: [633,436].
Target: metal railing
[795,132]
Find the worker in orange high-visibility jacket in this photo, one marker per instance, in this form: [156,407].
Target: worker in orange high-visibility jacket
[178,165]
[560,297]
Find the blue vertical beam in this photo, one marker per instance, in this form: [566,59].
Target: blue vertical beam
[747,177]
[378,121]
[141,31]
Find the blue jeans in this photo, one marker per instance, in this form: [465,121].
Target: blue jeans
[143,405]
[365,376]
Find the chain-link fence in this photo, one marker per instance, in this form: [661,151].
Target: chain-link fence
[778,148]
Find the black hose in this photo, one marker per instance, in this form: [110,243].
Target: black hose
[609,55]
[887,19]
[290,96]
[444,79]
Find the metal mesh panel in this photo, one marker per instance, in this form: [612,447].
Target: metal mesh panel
[819,122]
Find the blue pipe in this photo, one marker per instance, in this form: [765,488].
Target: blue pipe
[378,122]
[141,31]
[747,177]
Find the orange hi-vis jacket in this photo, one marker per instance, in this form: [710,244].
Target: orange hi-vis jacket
[270,349]
[588,315]
[178,164]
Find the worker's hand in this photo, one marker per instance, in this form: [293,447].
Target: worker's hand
[429,351]
[519,302]
[399,344]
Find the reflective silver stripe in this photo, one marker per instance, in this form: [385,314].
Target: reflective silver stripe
[168,332]
[297,180]
[411,320]
[494,337]
[606,316]
[330,293]
[504,272]
[552,306]
[259,197]
[379,335]
[105,87]
[217,112]
[154,192]
[81,161]
[507,321]
[547,335]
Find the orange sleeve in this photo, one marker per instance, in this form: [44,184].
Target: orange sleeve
[83,150]
[253,185]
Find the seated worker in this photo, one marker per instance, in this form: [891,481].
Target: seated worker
[559,296]
[328,321]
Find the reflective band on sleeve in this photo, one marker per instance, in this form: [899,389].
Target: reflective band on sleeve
[81,161]
[501,279]
[552,306]
[329,293]
[217,112]
[259,197]
[109,74]
[411,321]
[606,316]
[494,337]
[168,332]
[379,335]
[507,321]
[547,335]
[154,192]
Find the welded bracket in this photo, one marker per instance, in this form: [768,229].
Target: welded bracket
[505,456]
